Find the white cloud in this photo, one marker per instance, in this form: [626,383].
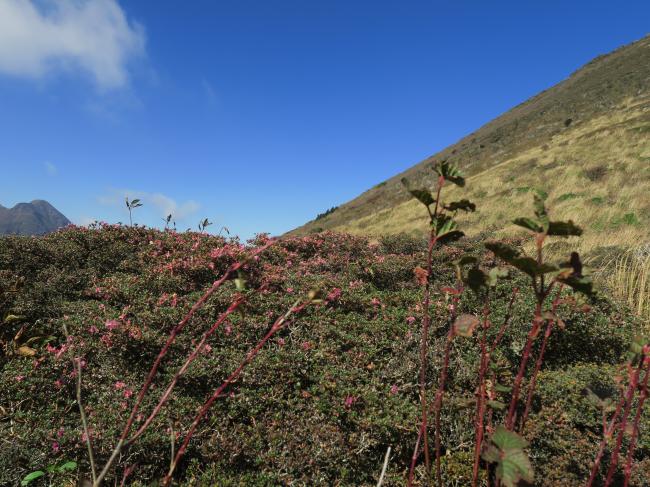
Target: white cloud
[38,37]
[50,168]
[162,204]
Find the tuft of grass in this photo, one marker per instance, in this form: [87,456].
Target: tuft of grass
[630,280]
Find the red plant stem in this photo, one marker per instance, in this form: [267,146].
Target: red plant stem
[506,321]
[154,368]
[295,308]
[439,394]
[540,358]
[631,389]
[177,329]
[607,432]
[415,455]
[426,321]
[534,330]
[165,397]
[635,429]
[480,397]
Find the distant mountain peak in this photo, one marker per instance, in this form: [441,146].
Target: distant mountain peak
[35,218]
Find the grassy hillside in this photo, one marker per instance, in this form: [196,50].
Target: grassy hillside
[586,141]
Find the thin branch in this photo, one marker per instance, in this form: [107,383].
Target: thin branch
[295,308]
[383,470]
[84,422]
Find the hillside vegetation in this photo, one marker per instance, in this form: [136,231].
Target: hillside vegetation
[327,394]
[585,141]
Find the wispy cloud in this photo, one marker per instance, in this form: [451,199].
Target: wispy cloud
[210,93]
[38,37]
[50,168]
[162,204]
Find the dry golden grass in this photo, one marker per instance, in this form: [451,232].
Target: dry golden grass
[628,277]
[596,174]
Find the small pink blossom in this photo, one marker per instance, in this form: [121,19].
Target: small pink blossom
[410,320]
[306,345]
[394,389]
[58,384]
[349,401]
[334,294]
[93,330]
[119,385]
[289,289]
[112,324]
[55,447]
[59,433]
[20,378]
[127,393]
[207,348]
[281,341]
[375,301]
[228,330]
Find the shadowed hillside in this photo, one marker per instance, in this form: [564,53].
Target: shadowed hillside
[585,141]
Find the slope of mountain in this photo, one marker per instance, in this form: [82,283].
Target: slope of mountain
[35,218]
[585,141]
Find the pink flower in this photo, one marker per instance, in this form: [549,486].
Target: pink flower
[281,341]
[60,432]
[19,378]
[289,289]
[410,320]
[349,401]
[394,389]
[112,324]
[375,301]
[119,385]
[127,393]
[93,330]
[55,447]
[228,329]
[58,384]
[306,345]
[207,348]
[334,295]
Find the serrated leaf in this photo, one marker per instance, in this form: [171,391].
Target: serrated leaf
[32,476]
[464,325]
[528,224]
[503,251]
[466,259]
[463,205]
[496,405]
[507,452]
[476,279]
[422,195]
[540,209]
[450,172]
[508,440]
[582,284]
[564,229]
[531,267]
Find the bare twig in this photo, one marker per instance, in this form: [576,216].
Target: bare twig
[383,470]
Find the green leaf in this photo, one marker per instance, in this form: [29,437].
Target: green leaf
[528,224]
[508,440]
[32,476]
[531,267]
[503,251]
[581,284]
[465,259]
[476,279]
[506,450]
[502,388]
[12,319]
[444,228]
[464,205]
[450,172]
[464,325]
[496,405]
[564,229]
[67,466]
[422,195]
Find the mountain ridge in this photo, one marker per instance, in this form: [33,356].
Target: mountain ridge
[609,93]
[37,217]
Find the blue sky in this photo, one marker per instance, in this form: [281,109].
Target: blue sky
[260,114]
